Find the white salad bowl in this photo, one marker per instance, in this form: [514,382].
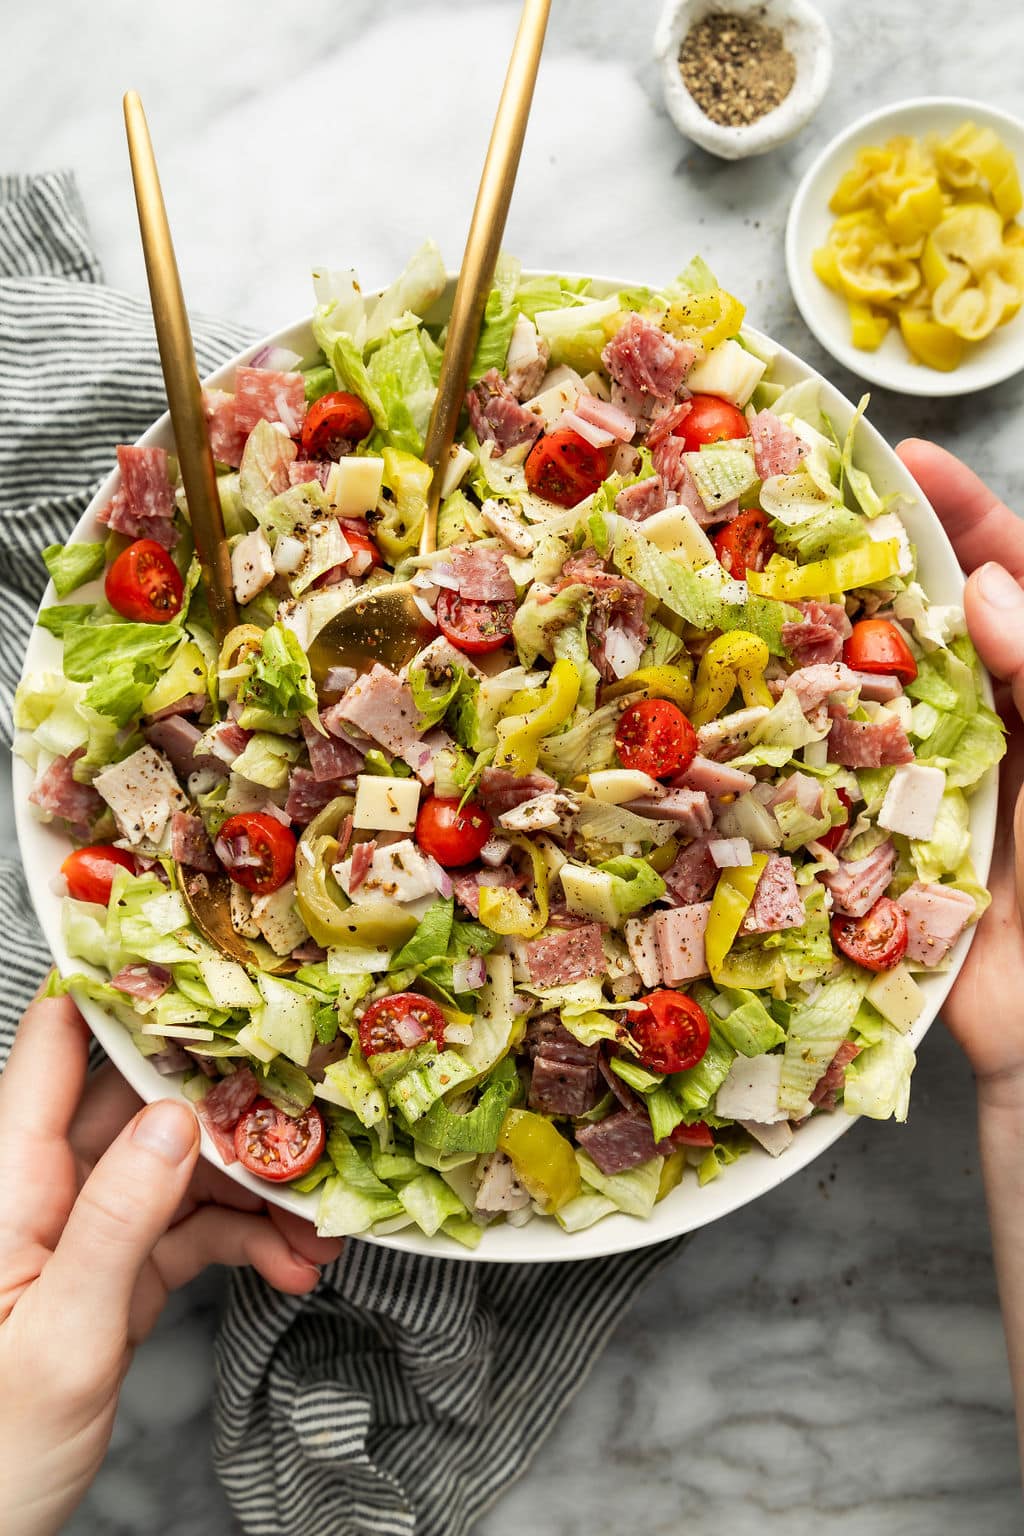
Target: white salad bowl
[43,847]
[985,363]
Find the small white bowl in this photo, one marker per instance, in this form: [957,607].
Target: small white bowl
[985,363]
[808,40]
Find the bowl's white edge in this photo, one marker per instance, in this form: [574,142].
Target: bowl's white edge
[541,1241]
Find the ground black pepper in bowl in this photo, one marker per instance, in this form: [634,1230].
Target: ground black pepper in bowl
[735,68]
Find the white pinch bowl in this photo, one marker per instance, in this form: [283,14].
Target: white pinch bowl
[985,363]
[808,40]
[43,847]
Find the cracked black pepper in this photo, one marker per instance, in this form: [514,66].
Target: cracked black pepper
[735,68]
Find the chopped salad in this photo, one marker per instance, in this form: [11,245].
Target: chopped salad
[634,867]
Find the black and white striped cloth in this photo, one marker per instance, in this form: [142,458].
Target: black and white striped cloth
[406,1394]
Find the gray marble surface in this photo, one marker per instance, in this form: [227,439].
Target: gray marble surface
[830,1360]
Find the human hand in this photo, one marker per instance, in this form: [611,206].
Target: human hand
[103,1212]
[981,526]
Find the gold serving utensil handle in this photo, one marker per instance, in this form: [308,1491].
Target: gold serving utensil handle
[207,897]
[387,624]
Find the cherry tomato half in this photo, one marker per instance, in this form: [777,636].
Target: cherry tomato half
[696,1135]
[256,835]
[90,871]
[877,646]
[878,940]
[672,1032]
[655,737]
[564,468]
[451,836]
[711,420]
[835,835]
[475,627]
[333,423]
[277,1146]
[144,584]
[745,544]
[378,1027]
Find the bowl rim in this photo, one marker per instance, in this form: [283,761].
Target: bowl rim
[871,365]
[616,1233]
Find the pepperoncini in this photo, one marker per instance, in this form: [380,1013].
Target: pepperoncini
[323,905]
[672,1170]
[735,660]
[239,646]
[923,232]
[664,682]
[862,566]
[664,857]
[705,319]
[733,895]
[544,1160]
[534,713]
[505,911]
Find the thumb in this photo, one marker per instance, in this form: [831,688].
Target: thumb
[994,606]
[126,1204]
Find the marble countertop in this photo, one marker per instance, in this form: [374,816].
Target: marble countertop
[830,1359]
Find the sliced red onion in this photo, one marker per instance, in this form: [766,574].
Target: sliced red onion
[495,851]
[288,554]
[521,1004]
[459,1034]
[468,975]
[270,809]
[410,1032]
[622,651]
[275,359]
[731,852]
[359,564]
[443,883]
[426,610]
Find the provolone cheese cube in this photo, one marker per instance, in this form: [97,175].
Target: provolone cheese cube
[384,804]
[676,532]
[616,786]
[353,485]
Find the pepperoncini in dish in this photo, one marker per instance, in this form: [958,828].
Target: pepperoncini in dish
[544,1160]
[924,234]
[735,660]
[534,713]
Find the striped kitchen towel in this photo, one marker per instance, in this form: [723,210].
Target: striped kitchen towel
[406,1393]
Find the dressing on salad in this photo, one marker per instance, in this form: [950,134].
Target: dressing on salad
[633,867]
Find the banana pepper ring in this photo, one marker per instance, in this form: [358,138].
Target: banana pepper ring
[533,714]
[505,911]
[664,682]
[735,660]
[705,319]
[733,895]
[862,566]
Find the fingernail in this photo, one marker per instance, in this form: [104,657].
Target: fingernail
[168,1129]
[300,1258]
[998,587]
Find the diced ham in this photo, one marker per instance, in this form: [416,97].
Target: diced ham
[642,943]
[606,417]
[526,361]
[597,437]
[58,793]
[777,449]
[801,790]
[308,795]
[936,917]
[555,808]
[642,499]
[813,685]
[618,603]
[145,982]
[646,361]
[750,1090]
[302,471]
[176,737]
[728,737]
[381,705]
[499,517]
[912,801]
[878,687]
[252,565]
[624,1140]
[691,808]
[546,1036]
[224,1105]
[692,874]
[482,575]
[818,637]
[227,438]
[562,958]
[362,860]
[825,1093]
[499,790]
[777,903]
[261,394]
[562,1088]
[190,844]
[171,1060]
[867,743]
[714,779]
[679,936]
[497,417]
[143,793]
[857,883]
[188,704]
[330,757]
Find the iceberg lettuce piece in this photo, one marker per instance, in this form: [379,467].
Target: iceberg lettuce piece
[400,372]
[817,1028]
[500,314]
[584,1210]
[577,335]
[878,1081]
[430,1201]
[355,1199]
[633,1192]
[71,565]
[414,291]
[950,842]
